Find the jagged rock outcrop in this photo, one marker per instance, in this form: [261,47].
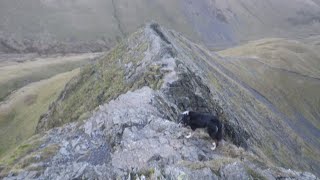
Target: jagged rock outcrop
[145,82]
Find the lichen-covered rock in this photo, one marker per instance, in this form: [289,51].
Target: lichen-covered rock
[234,171]
[134,134]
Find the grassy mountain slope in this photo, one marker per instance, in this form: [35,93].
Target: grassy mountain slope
[28,84]
[287,74]
[20,112]
[289,55]
[16,75]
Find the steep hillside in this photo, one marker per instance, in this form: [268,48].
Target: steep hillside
[287,74]
[314,41]
[29,83]
[20,112]
[137,92]
[49,26]
[16,72]
[288,55]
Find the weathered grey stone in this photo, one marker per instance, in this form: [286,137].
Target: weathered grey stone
[234,171]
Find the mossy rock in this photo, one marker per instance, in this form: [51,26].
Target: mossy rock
[10,161]
[255,175]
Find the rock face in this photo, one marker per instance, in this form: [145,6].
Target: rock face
[134,135]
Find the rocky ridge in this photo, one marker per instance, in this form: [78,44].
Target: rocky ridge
[135,134]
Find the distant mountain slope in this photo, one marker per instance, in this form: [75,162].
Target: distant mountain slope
[288,55]
[287,74]
[28,85]
[314,41]
[16,75]
[20,112]
[49,26]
